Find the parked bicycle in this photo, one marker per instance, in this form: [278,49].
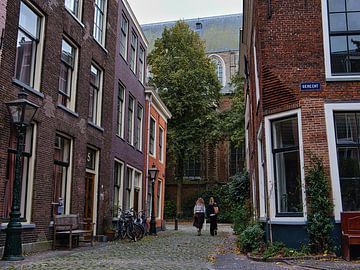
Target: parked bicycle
[127,227]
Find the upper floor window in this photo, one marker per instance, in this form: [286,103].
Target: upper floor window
[161,144]
[141,64]
[74,6]
[68,74]
[152,137]
[192,168]
[95,95]
[133,45]
[219,68]
[124,30]
[344,35]
[130,133]
[138,142]
[99,21]
[120,111]
[29,46]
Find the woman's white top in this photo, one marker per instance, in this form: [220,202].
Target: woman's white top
[199,208]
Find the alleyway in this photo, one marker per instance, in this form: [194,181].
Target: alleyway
[171,250]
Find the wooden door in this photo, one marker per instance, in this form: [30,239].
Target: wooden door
[89,197]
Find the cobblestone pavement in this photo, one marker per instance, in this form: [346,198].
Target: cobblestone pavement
[181,249]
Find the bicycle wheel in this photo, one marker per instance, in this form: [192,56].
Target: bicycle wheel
[130,232]
[139,230]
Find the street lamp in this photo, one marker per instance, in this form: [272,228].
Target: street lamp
[153,171]
[22,113]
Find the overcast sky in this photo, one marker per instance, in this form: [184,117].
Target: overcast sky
[151,11]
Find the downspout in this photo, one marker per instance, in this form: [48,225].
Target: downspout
[149,98]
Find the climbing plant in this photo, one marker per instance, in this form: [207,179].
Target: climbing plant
[320,221]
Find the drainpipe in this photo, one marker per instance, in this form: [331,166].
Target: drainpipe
[149,99]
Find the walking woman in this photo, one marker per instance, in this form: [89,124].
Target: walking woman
[199,214]
[212,211]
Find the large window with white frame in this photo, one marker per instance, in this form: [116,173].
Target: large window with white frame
[96,77]
[130,122]
[100,21]
[219,68]
[62,171]
[133,188]
[137,191]
[142,65]
[120,111]
[118,184]
[152,136]
[75,7]
[341,39]
[139,128]
[286,166]
[68,75]
[261,176]
[124,31]
[133,50]
[30,42]
[161,144]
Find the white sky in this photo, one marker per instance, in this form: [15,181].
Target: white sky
[151,11]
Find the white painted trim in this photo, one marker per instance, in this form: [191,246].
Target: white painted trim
[158,104]
[261,176]
[326,42]
[334,169]
[257,84]
[121,190]
[270,167]
[103,37]
[218,57]
[158,205]
[132,191]
[155,140]
[162,140]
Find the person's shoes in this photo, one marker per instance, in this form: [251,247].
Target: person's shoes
[215,232]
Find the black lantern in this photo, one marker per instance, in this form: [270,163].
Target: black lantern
[153,171]
[22,113]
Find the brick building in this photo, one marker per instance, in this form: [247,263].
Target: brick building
[302,69]
[157,116]
[217,163]
[83,63]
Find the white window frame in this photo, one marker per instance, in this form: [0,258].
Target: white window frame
[142,64]
[36,77]
[155,124]
[97,117]
[122,120]
[161,144]
[126,33]
[326,41]
[96,184]
[133,50]
[73,84]
[77,14]
[132,191]
[130,139]
[271,173]
[139,126]
[104,21]
[333,157]
[121,189]
[221,61]
[257,84]
[261,176]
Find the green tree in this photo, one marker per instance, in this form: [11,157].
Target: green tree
[188,85]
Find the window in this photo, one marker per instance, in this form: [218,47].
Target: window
[261,177]
[235,160]
[137,191]
[62,171]
[344,36]
[149,198]
[161,144]
[286,161]
[138,142]
[129,188]
[28,170]
[100,21]
[192,168]
[133,49]
[152,137]
[141,64]
[120,111]
[130,133]
[118,181]
[95,96]
[74,6]
[29,46]
[124,30]
[158,199]
[68,74]
[219,68]
[198,26]
[347,130]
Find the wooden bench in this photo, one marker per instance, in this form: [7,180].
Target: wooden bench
[70,226]
[350,230]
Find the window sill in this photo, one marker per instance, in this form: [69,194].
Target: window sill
[24,225]
[121,138]
[124,58]
[74,16]
[102,46]
[287,222]
[333,78]
[68,110]
[96,126]
[28,88]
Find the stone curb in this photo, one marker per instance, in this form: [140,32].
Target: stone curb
[284,259]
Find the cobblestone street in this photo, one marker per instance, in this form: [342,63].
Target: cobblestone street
[181,249]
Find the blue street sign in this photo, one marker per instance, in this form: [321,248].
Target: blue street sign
[310,86]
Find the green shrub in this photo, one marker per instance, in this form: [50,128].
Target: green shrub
[169,209]
[251,238]
[320,222]
[278,249]
[241,217]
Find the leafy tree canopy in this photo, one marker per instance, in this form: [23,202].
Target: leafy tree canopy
[188,85]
